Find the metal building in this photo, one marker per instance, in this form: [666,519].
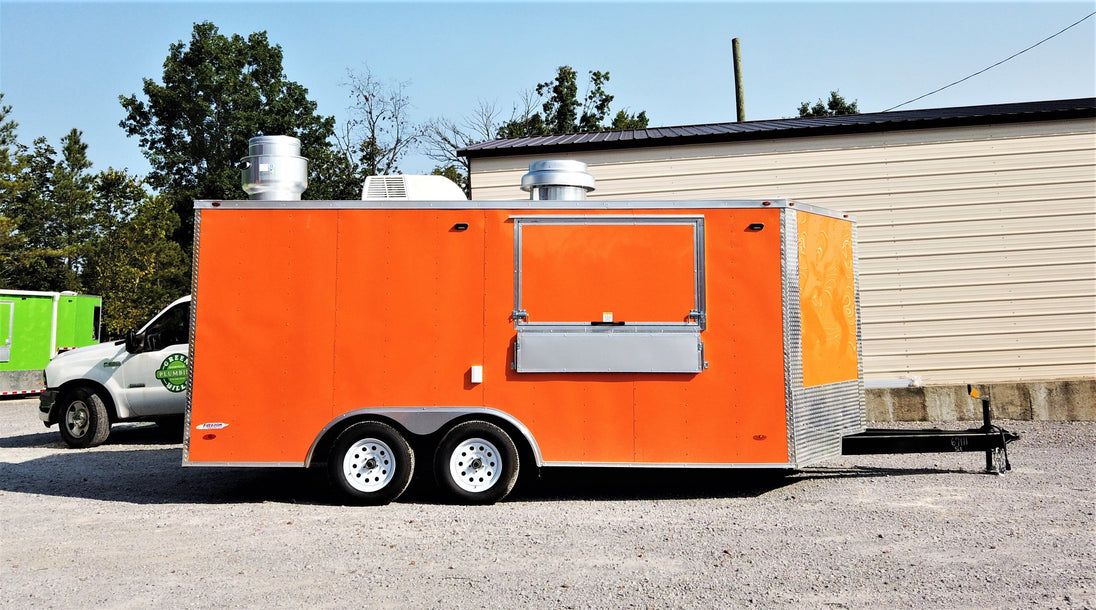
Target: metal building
[977,229]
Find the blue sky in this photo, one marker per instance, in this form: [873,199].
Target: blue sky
[63,65]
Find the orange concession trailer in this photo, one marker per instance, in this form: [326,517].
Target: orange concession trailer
[475,339]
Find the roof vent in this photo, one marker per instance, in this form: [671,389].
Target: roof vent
[557,180]
[411,188]
[274,169]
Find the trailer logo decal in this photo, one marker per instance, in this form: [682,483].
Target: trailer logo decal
[172,372]
[211,426]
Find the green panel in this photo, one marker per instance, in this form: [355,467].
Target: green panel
[30,332]
[83,330]
[66,322]
[6,309]
[32,323]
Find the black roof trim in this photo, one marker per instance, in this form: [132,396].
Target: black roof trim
[1084,107]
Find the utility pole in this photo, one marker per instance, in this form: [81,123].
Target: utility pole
[739,95]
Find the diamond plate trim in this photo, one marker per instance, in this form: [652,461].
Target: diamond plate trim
[822,415]
[793,346]
[859,332]
[193,314]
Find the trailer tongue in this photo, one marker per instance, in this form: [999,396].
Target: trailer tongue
[990,438]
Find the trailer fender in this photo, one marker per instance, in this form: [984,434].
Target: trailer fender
[424,421]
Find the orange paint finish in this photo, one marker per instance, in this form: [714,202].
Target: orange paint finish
[409,315]
[827,300]
[674,418]
[251,368]
[575,273]
[304,315]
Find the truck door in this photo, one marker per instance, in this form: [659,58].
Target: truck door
[7,321]
[154,380]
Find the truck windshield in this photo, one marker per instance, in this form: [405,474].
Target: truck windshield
[172,328]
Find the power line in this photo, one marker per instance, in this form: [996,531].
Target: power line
[1078,22]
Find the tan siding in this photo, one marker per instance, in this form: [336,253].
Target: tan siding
[977,244]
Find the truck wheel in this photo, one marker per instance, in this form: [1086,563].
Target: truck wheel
[476,462]
[84,419]
[371,463]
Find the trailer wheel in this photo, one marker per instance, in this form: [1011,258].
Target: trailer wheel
[476,462]
[371,463]
[84,420]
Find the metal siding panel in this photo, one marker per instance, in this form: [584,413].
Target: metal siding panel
[957,227]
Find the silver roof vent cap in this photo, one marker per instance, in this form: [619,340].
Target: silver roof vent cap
[559,180]
[274,169]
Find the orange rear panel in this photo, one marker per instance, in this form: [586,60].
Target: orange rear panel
[827,300]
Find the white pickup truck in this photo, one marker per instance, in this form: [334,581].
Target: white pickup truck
[142,378]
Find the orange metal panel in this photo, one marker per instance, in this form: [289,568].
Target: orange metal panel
[409,316]
[710,417]
[827,299]
[574,273]
[573,417]
[264,332]
[714,416]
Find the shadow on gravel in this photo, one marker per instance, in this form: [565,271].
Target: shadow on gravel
[649,484]
[153,476]
[115,473]
[126,434]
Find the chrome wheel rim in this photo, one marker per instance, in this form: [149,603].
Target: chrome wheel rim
[369,465]
[475,465]
[77,418]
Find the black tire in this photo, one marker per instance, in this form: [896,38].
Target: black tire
[83,418]
[476,463]
[371,463]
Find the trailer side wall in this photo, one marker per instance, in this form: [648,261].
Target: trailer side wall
[304,315]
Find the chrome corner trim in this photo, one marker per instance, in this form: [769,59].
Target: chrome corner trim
[793,349]
[193,318]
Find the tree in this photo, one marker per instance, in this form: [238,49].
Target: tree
[836,106]
[442,138]
[71,222]
[12,185]
[132,261]
[379,132]
[217,92]
[457,175]
[40,262]
[562,112]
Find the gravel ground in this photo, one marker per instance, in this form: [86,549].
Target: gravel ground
[123,525]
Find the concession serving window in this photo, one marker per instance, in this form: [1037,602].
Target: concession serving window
[609,293]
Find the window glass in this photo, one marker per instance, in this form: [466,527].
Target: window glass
[172,328]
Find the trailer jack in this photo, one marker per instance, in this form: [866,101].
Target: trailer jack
[990,438]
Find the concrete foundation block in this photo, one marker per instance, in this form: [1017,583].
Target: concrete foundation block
[1049,400]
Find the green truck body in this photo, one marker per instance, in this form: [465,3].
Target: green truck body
[34,326]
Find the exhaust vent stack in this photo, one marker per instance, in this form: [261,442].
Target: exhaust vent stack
[274,169]
[557,181]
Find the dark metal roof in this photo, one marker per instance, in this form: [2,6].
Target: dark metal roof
[782,128]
